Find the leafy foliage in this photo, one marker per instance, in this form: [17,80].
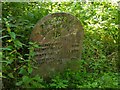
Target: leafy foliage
[98,68]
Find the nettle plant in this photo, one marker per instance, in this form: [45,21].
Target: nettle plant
[17,67]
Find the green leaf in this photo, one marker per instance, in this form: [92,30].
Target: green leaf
[26,79]
[13,35]
[0,55]
[0,74]
[30,43]
[36,46]
[19,83]
[9,61]
[32,53]
[4,77]
[94,84]
[4,36]
[11,75]
[18,43]
[23,71]
[53,85]
[30,70]
[37,78]
[9,48]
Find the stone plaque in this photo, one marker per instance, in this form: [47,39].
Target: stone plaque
[60,37]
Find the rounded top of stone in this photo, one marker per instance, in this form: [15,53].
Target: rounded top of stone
[60,22]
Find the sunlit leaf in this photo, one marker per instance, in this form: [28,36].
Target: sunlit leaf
[13,35]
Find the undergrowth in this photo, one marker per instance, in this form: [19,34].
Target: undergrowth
[98,66]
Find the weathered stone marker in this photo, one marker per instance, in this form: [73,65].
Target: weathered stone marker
[60,36]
